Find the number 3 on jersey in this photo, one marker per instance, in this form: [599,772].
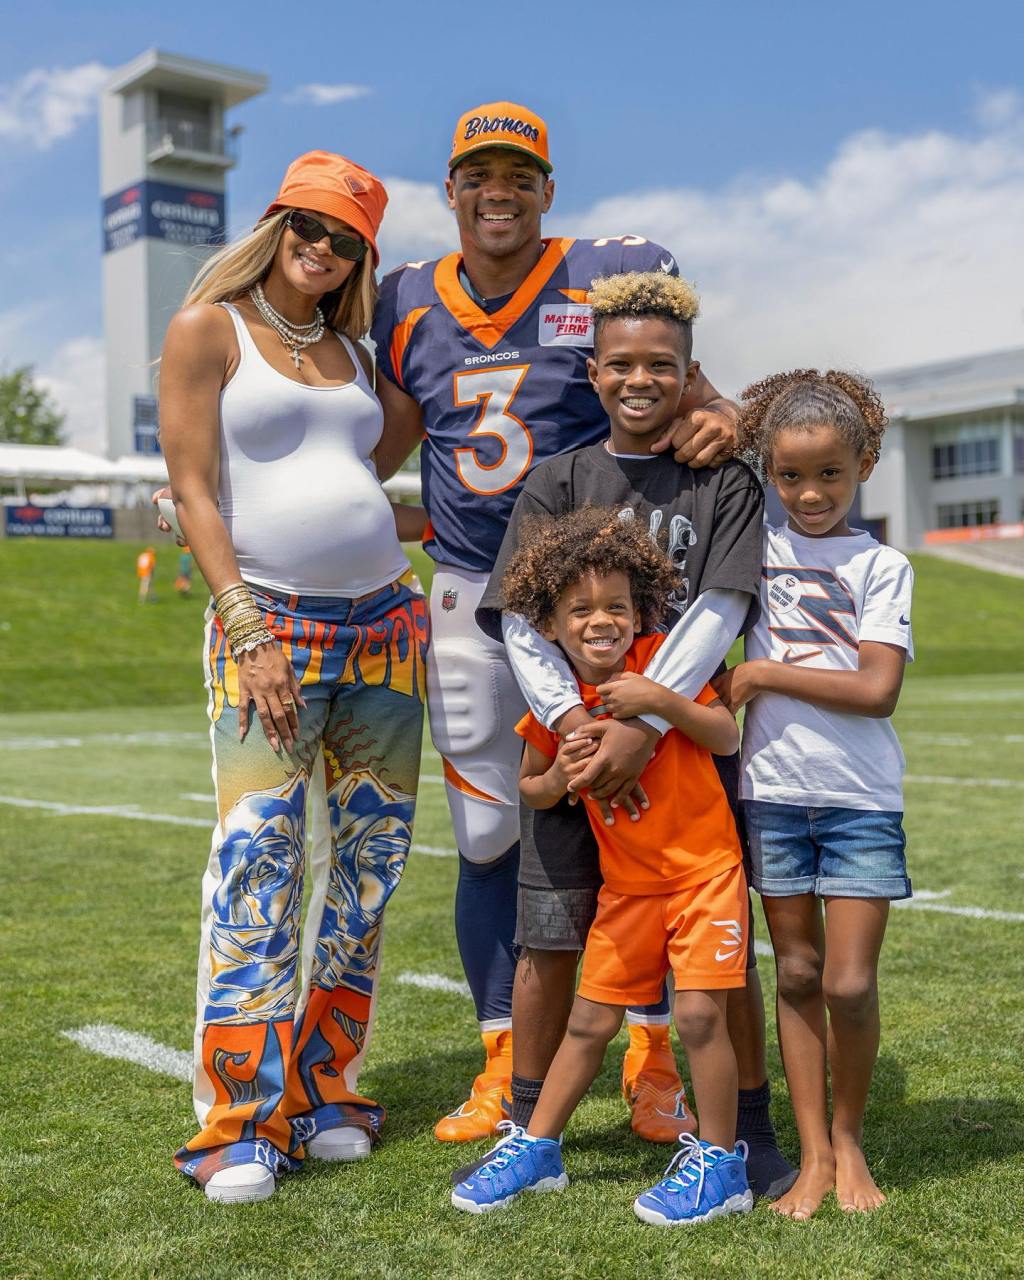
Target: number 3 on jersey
[494,389]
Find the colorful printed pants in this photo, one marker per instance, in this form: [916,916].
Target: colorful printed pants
[274,1064]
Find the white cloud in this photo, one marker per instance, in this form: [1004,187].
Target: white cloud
[75,377]
[904,249]
[325,95]
[44,106]
[417,222]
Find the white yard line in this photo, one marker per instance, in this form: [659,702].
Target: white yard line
[128,811]
[919,903]
[200,797]
[435,851]
[155,739]
[130,1046]
[960,739]
[934,696]
[434,982]
[943,780]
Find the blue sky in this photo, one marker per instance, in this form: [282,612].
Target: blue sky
[831,175]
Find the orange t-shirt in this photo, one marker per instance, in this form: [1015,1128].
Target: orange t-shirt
[688,835]
[145,564]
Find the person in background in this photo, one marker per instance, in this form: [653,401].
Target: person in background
[183,579]
[145,568]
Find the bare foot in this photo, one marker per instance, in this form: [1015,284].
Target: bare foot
[803,1199]
[855,1188]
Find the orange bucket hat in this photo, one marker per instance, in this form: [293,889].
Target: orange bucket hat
[501,124]
[326,183]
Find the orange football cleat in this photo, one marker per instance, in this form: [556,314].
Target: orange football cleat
[652,1087]
[490,1099]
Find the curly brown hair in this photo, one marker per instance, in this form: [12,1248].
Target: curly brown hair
[804,399]
[557,551]
[638,294]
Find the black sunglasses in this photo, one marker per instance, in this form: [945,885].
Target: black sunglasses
[311,229]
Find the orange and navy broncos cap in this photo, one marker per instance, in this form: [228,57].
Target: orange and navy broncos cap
[326,183]
[501,124]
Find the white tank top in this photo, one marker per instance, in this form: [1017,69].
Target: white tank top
[299,493]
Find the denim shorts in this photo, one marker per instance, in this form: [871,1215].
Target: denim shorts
[834,853]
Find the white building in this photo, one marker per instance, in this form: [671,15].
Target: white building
[953,455]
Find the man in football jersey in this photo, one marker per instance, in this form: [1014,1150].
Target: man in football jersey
[482,356]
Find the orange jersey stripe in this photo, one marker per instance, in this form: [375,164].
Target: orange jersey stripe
[456,780]
[576,295]
[490,329]
[400,339]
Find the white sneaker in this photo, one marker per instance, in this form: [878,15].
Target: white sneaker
[241,1184]
[348,1142]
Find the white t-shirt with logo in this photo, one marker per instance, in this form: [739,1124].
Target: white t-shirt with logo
[820,597]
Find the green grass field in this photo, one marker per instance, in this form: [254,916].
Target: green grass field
[102,740]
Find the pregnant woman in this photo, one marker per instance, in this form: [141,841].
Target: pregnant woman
[315,651]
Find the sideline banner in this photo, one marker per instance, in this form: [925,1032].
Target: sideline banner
[59,522]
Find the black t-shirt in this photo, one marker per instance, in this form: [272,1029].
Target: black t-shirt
[708,519]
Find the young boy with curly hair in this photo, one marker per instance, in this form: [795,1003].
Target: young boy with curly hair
[674,893]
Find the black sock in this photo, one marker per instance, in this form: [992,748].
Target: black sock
[768,1171]
[525,1093]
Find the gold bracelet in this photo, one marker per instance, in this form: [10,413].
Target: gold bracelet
[231,597]
[239,615]
[243,627]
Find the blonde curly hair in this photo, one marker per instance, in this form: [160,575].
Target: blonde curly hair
[636,294]
[804,399]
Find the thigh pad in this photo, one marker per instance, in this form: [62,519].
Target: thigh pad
[469,691]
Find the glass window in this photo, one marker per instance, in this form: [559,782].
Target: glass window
[1018,448]
[967,449]
[962,515]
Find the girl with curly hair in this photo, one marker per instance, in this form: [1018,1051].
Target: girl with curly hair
[821,785]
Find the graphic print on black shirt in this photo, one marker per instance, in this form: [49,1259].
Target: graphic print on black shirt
[711,518]
[681,536]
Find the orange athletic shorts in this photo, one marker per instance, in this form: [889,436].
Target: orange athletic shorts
[700,932]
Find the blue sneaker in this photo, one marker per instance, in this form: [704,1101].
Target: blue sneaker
[518,1163]
[702,1182]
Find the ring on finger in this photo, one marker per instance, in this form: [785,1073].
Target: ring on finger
[287,702]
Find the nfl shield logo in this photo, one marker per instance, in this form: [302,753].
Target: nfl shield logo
[449,599]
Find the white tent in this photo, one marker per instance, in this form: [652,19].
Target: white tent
[64,464]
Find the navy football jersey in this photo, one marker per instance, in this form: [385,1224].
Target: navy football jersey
[499,391]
